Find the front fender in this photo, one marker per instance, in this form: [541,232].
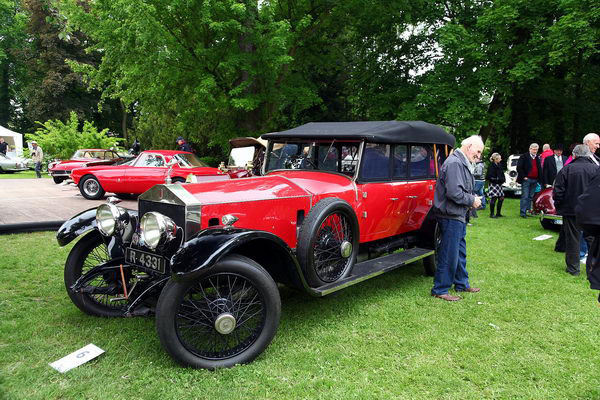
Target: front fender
[206,249]
[76,226]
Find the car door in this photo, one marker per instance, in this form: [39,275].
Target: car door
[148,170]
[377,206]
[420,186]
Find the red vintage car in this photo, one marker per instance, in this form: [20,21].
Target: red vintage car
[60,170]
[543,206]
[336,204]
[140,174]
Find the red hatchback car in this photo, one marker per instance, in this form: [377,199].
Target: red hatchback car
[337,203]
[140,174]
[60,170]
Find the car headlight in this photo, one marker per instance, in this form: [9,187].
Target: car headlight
[110,219]
[156,228]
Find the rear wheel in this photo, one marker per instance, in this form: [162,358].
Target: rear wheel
[57,179]
[328,242]
[100,296]
[430,262]
[90,188]
[227,316]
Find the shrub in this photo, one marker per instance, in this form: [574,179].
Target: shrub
[61,140]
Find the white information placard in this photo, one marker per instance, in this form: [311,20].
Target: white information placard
[542,237]
[76,358]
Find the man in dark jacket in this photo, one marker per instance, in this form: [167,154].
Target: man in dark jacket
[529,172]
[553,164]
[570,183]
[452,201]
[588,218]
[182,145]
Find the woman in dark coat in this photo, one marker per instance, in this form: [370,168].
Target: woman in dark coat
[495,177]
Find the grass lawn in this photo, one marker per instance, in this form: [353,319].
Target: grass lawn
[22,175]
[532,332]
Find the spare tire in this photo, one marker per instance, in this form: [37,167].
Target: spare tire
[328,242]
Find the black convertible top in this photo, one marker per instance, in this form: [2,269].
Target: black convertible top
[371,131]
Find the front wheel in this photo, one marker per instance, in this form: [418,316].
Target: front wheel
[57,179]
[103,295]
[227,316]
[90,188]
[430,262]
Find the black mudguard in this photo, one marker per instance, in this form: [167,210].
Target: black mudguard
[78,225]
[206,249]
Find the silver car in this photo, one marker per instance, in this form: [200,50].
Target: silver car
[16,164]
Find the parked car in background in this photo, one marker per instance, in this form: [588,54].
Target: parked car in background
[511,186]
[543,206]
[338,203]
[60,170]
[149,168]
[245,157]
[28,162]
[12,164]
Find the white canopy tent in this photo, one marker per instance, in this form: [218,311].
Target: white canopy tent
[14,140]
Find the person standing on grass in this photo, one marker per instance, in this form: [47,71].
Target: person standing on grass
[37,156]
[529,169]
[479,175]
[452,201]
[495,177]
[588,218]
[570,183]
[552,165]
[546,152]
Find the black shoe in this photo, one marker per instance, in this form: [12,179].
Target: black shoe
[523,216]
[493,216]
[499,216]
[574,273]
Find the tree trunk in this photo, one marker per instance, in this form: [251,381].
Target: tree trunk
[4,95]
[123,120]
[495,105]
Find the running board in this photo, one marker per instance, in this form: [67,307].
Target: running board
[375,267]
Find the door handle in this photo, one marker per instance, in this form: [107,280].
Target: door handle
[412,197]
[393,198]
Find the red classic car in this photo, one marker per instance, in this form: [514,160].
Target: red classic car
[246,157]
[60,170]
[140,174]
[337,203]
[543,206]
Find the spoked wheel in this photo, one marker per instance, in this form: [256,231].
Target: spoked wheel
[328,242]
[227,316]
[430,262]
[101,296]
[90,188]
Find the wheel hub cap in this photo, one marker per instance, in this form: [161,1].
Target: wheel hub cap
[225,323]
[346,249]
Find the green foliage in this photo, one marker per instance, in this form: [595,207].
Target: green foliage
[61,140]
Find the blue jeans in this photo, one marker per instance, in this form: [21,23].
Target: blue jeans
[451,257]
[478,190]
[527,192]
[38,168]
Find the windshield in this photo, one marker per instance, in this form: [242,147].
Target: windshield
[240,156]
[103,155]
[189,161]
[514,161]
[331,156]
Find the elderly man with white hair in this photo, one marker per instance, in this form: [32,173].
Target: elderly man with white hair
[592,141]
[452,201]
[529,171]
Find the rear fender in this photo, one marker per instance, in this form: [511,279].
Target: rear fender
[206,249]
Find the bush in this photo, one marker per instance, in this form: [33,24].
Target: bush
[61,140]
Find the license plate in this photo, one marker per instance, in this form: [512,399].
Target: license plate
[517,192]
[558,221]
[146,260]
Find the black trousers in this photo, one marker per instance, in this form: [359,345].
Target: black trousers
[593,264]
[572,234]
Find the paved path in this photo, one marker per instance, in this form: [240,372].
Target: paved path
[36,200]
